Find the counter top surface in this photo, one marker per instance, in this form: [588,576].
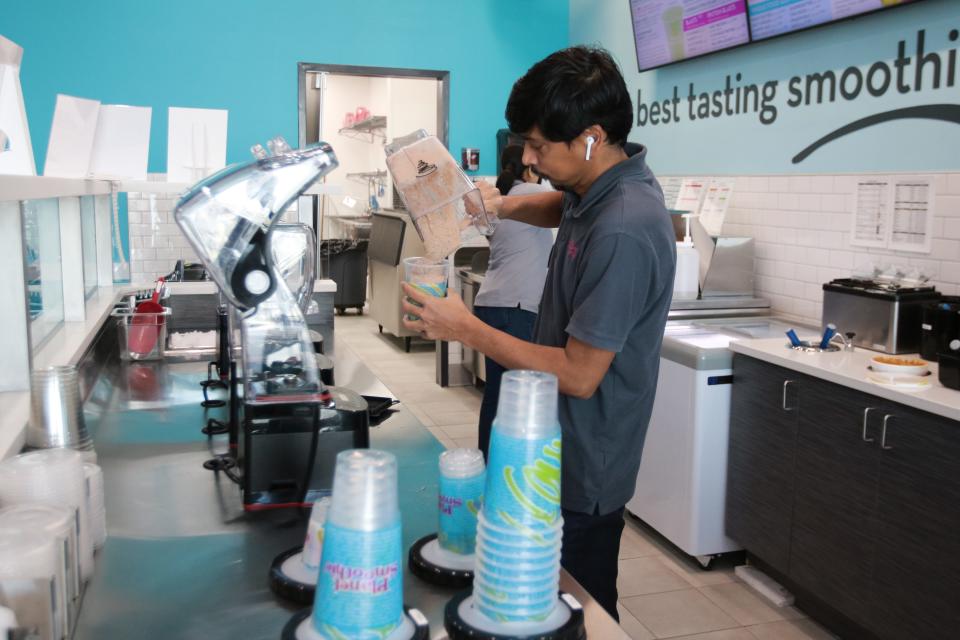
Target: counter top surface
[849,368]
[183,560]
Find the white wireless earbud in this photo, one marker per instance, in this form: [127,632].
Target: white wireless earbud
[590,142]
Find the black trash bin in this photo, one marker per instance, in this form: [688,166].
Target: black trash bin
[345,262]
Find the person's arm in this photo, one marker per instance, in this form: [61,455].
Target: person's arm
[578,366]
[537,209]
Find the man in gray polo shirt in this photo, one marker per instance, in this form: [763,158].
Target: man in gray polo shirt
[605,300]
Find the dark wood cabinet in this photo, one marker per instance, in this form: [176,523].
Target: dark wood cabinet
[916,581]
[760,476]
[871,522]
[832,537]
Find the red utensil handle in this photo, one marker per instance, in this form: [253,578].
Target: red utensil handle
[157,290]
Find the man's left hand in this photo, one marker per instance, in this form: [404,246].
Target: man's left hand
[440,318]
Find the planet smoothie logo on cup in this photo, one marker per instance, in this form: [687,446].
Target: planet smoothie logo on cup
[360,580]
[448,504]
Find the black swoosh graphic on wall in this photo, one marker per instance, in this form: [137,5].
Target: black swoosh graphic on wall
[945,112]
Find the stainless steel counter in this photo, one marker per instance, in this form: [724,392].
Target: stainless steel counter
[183,560]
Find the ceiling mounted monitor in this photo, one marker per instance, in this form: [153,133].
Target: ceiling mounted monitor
[769,18]
[667,31]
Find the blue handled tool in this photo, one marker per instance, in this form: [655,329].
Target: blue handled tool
[794,340]
[828,333]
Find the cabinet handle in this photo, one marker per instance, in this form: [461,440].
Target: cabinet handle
[783,402]
[866,412]
[883,435]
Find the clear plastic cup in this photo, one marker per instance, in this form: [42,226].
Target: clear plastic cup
[521,552]
[527,537]
[519,589]
[360,584]
[364,490]
[462,478]
[528,404]
[520,570]
[429,276]
[518,595]
[313,541]
[523,475]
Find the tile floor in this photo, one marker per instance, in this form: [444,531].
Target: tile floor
[663,594]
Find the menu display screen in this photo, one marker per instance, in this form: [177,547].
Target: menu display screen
[770,18]
[667,31]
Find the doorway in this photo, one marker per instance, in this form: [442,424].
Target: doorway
[357,110]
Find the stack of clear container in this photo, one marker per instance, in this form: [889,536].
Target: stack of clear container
[359,591]
[519,529]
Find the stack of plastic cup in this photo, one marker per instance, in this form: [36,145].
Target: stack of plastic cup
[53,477]
[313,541]
[293,574]
[28,580]
[447,557]
[58,523]
[520,529]
[56,411]
[96,510]
[360,582]
[429,276]
[462,479]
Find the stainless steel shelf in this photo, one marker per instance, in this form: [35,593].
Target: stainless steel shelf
[373,127]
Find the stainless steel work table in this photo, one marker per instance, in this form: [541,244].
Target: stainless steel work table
[183,560]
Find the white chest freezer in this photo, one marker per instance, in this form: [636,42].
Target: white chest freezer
[681,484]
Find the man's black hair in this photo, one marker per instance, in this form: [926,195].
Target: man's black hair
[567,92]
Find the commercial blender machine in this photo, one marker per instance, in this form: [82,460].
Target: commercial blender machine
[289,424]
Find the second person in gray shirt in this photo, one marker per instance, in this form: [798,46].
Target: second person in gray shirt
[510,294]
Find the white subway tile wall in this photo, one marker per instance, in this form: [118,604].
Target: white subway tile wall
[156,242]
[802,223]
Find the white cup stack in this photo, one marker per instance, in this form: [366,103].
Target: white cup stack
[95,507]
[53,477]
[29,581]
[59,523]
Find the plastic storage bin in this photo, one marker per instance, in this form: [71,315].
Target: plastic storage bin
[152,323]
[345,262]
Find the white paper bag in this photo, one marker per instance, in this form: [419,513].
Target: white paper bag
[196,143]
[16,150]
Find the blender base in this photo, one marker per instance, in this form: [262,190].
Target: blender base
[414,626]
[463,622]
[432,563]
[290,580]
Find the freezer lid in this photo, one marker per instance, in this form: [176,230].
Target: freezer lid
[704,344]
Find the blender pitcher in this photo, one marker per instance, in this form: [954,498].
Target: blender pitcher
[444,204]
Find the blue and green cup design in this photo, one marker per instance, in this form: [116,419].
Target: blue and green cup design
[360,585]
[523,483]
[459,503]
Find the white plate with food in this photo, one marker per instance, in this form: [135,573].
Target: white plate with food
[899,366]
[903,383]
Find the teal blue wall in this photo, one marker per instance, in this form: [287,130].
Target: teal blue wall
[243,56]
[741,144]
